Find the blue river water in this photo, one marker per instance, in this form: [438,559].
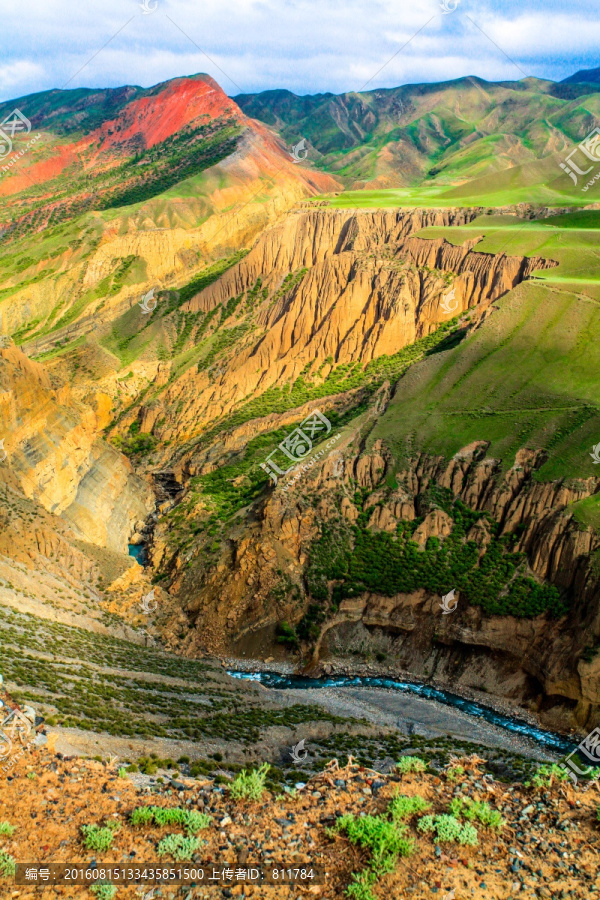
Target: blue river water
[139,553]
[548,739]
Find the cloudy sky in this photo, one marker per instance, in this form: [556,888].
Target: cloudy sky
[307,46]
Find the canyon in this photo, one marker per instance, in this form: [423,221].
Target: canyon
[269,300]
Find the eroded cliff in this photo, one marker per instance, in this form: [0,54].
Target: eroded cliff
[325,288]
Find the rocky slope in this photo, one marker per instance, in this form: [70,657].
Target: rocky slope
[546,839]
[267,571]
[54,453]
[327,288]
[98,201]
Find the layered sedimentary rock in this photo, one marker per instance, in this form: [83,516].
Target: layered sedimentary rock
[53,450]
[364,287]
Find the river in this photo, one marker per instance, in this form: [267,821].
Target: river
[416,708]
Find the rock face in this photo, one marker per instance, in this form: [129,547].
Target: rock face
[55,455]
[261,578]
[362,287]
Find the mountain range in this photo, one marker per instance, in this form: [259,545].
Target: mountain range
[409,274]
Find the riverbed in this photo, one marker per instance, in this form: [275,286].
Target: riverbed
[413,708]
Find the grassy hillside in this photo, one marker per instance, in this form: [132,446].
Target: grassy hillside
[529,376]
[442,134]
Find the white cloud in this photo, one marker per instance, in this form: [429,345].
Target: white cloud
[303,45]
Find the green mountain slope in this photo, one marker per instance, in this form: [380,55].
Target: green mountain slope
[439,133]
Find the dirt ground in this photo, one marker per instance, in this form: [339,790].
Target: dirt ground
[548,846]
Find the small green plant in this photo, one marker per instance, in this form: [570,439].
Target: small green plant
[191,819]
[122,772]
[454,772]
[250,785]
[178,846]
[143,815]
[6,828]
[31,775]
[360,886]
[403,807]
[448,829]
[411,764]
[547,775]
[384,838]
[7,864]
[97,837]
[104,891]
[464,808]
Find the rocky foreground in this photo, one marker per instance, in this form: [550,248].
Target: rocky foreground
[544,845]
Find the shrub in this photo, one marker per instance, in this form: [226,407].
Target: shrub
[448,829]
[178,846]
[547,775]
[250,785]
[7,864]
[104,891]
[122,772]
[454,772]
[403,807]
[383,838]
[142,815]
[96,837]
[360,887]
[411,764]
[462,807]
[6,828]
[191,819]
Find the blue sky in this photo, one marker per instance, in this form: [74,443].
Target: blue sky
[307,46]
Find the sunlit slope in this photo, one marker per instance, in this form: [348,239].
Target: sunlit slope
[442,134]
[528,377]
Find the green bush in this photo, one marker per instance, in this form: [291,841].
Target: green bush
[411,764]
[384,838]
[97,837]
[547,775]
[7,864]
[104,891]
[250,785]
[389,564]
[448,829]
[464,808]
[360,886]
[178,846]
[403,807]
[6,828]
[192,820]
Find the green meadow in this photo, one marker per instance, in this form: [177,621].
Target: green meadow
[530,375]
